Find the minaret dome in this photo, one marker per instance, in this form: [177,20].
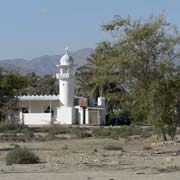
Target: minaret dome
[66,60]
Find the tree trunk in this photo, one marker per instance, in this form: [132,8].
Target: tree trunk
[163,133]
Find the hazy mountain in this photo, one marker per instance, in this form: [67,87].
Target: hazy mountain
[44,64]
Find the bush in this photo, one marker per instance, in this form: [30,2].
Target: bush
[124,131]
[6,125]
[49,137]
[81,132]
[147,148]
[113,147]
[21,156]
[102,132]
[28,133]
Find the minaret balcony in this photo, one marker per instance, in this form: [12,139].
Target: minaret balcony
[66,76]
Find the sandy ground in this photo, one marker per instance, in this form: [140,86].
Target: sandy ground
[87,159]
[97,175]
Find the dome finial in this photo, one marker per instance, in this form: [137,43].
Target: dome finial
[66,59]
[66,50]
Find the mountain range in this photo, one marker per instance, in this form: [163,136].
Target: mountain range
[44,64]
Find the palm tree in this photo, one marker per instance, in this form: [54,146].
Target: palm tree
[100,77]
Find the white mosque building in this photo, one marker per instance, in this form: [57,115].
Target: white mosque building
[65,108]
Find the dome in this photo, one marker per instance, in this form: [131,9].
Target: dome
[66,60]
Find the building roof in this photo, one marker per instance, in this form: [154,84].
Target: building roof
[38,97]
[41,97]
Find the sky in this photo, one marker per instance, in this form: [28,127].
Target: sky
[32,28]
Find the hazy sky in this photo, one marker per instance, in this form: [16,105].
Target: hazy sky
[30,28]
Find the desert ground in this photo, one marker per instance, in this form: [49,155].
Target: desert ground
[97,158]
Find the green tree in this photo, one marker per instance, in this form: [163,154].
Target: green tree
[138,72]
[100,76]
[150,49]
[32,84]
[48,85]
[11,84]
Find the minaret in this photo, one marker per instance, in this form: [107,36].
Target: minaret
[65,113]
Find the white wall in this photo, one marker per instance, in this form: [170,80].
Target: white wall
[66,91]
[37,118]
[65,115]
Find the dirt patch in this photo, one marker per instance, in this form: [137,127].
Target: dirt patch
[138,157]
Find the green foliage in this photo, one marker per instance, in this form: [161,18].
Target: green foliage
[101,64]
[152,48]
[6,125]
[138,73]
[47,84]
[21,156]
[137,118]
[10,85]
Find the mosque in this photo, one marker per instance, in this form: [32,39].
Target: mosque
[65,108]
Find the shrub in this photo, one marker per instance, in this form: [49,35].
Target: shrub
[136,130]
[102,132]
[28,133]
[81,132]
[49,137]
[124,131]
[6,125]
[21,156]
[113,147]
[147,148]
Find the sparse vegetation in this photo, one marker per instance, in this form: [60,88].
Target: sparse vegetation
[118,132]
[21,156]
[56,129]
[81,132]
[102,132]
[6,125]
[12,137]
[147,148]
[28,133]
[49,137]
[67,132]
[113,147]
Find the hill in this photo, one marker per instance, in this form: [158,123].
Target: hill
[44,64]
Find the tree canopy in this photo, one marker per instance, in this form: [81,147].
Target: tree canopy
[138,72]
[11,83]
